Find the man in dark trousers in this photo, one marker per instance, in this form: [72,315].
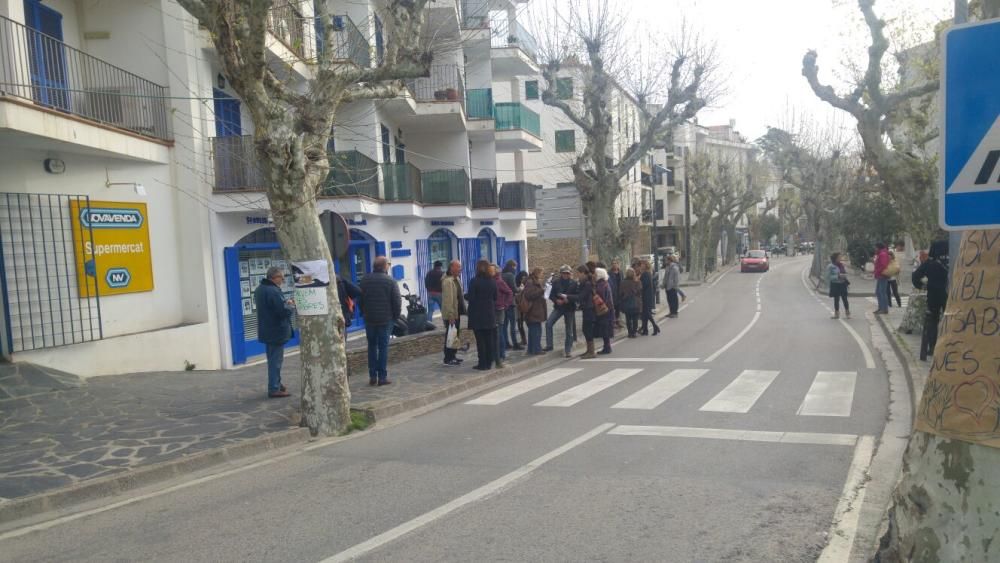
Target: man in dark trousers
[509,276]
[349,295]
[615,280]
[564,308]
[381,305]
[935,271]
[432,283]
[274,326]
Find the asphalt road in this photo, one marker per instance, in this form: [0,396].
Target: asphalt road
[730,436]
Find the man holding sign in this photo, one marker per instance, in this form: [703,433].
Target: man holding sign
[274,326]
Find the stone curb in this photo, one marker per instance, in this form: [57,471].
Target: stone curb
[129,480]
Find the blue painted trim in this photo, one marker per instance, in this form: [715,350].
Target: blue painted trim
[231,257]
[380,248]
[360,223]
[398,273]
[486,223]
[396,244]
[442,223]
[401,253]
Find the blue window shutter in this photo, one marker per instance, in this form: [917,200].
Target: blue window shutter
[398,273]
[380,248]
[423,265]
[501,258]
[470,255]
[227,115]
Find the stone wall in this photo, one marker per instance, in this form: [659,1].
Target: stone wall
[550,254]
[405,349]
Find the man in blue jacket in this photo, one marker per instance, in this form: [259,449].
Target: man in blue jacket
[274,326]
[381,305]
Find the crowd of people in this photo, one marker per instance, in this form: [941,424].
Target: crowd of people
[497,304]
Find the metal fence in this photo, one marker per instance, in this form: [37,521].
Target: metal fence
[445,84]
[445,187]
[505,34]
[45,303]
[484,193]
[286,22]
[349,44]
[402,182]
[50,73]
[236,167]
[352,174]
[518,196]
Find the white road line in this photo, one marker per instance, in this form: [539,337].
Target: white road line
[662,389]
[740,395]
[719,352]
[587,389]
[831,394]
[522,387]
[644,360]
[718,279]
[845,519]
[865,350]
[812,438]
[489,489]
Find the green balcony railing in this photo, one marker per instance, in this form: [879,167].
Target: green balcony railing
[445,187]
[402,182]
[479,103]
[512,115]
[351,174]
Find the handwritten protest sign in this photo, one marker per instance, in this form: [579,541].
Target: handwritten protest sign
[311,281]
[962,397]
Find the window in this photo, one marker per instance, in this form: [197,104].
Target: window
[379,42]
[566,141]
[386,145]
[659,210]
[227,115]
[531,90]
[564,88]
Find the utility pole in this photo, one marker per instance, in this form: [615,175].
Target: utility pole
[955,237]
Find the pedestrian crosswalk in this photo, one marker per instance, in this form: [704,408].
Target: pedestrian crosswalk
[830,394]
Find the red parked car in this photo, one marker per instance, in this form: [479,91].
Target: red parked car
[754,261]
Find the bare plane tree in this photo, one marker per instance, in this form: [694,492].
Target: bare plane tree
[292,125]
[670,85]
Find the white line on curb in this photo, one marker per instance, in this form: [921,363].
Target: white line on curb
[845,519]
[481,493]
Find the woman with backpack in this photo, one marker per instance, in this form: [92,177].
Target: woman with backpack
[604,309]
[533,309]
[836,277]
[631,298]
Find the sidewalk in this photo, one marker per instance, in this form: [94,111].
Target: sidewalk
[863,283]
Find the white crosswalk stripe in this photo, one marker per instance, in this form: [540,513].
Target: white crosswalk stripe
[740,395]
[667,386]
[522,387]
[831,394]
[587,389]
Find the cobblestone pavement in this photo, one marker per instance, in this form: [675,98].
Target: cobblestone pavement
[56,430]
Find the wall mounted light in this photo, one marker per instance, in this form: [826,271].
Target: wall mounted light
[54,166]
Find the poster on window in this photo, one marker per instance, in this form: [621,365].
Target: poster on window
[244,288]
[247,307]
[244,269]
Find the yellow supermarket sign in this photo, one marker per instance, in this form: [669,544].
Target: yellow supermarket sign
[112,247]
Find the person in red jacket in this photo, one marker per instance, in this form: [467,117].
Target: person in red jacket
[882,260]
[505,302]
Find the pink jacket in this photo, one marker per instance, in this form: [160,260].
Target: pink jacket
[881,262]
[505,297]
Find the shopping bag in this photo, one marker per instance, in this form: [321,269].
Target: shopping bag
[451,338]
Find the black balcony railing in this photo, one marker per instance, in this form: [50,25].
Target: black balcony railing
[352,174]
[445,84]
[236,167]
[401,181]
[484,193]
[50,73]
[286,22]
[518,196]
[445,187]
[349,44]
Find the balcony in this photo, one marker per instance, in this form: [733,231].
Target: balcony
[440,99]
[445,187]
[352,174]
[517,128]
[518,196]
[287,23]
[475,14]
[349,44]
[50,74]
[514,51]
[484,193]
[235,165]
[479,103]
[402,182]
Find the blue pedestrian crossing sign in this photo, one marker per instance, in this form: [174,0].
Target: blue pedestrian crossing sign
[970,197]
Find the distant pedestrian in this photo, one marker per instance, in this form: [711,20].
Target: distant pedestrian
[605,315]
[482,313]
[452,309]
[672,285]
[432,283]
[892,272]
[381,305]
[533,309]
[648,298]
[836,277]
[584,299]
[631,299]
[505,302]
[881,279]
[509,328]
[562,308]
[274,326]
[615,279]
[935,271]
[519,281]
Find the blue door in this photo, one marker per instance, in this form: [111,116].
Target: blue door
[47,55]
[246,265]
[360,259]
[227,115]
[512,251]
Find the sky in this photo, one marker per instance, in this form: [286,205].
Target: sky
[761,44]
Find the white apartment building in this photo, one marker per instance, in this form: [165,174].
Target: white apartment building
[133,223]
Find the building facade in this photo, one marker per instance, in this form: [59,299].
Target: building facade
[135,225]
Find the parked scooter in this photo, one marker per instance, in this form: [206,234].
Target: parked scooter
[413,318]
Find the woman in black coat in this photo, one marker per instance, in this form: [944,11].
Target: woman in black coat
[648,299]
[482,313]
